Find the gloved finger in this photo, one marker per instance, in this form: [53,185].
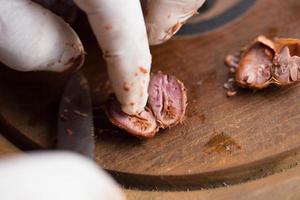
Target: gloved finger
[165,17]
[120,30]
[59,176]
[32,38]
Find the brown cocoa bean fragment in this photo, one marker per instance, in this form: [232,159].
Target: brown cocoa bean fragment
[255,65]
[266,62]
[286,61]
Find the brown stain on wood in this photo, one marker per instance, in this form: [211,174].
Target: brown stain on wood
[221,143]
[197,115]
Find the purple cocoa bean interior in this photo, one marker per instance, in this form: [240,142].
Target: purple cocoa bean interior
[166,108]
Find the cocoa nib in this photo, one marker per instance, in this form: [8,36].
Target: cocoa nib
[266,62]
[166,108]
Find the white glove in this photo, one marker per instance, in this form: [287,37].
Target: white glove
[122,33]
[55,176]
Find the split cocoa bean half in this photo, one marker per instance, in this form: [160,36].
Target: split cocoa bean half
[166,107]
[167,99]
[142,125]
[266,62]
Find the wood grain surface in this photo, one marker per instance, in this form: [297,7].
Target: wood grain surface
[281,186]
[222,139]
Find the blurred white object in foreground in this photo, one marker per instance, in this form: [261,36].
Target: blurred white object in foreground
[55,176]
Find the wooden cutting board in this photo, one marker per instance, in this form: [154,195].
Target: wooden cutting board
[222,139]
[280,186]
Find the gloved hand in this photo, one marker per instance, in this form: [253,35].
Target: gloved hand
[124,35]
[32,38]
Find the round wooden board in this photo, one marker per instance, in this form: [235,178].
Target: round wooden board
[279,186]
[221,139]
